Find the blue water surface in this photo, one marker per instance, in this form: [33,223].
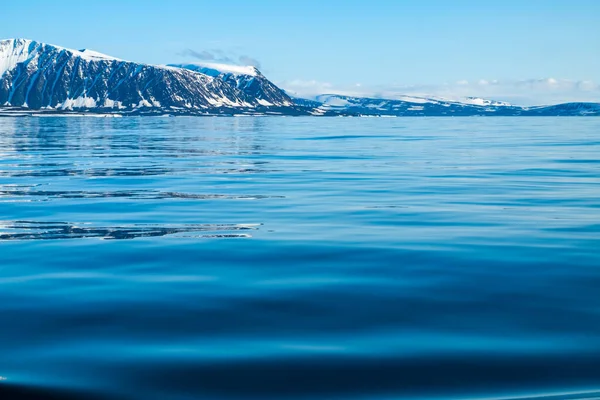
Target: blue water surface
[302,258]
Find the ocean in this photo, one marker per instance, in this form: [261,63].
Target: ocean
[299,258]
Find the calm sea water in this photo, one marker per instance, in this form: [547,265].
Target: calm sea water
[308,258]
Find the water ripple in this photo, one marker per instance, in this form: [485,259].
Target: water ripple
[422,258]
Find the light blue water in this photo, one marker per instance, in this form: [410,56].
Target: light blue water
[313,258]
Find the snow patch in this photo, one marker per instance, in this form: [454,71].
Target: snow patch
[476,101]
[80,102]
[264,103]
[108,103]
[333,101]
[144,103]
[418,100]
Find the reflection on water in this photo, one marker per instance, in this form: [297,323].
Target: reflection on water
[431,258]
[31,230]
[7,193]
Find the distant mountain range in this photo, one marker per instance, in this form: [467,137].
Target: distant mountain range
[38,78]
[421,106]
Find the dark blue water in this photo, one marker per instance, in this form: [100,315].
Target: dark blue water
[308,258]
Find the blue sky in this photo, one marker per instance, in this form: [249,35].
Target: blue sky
[527,51]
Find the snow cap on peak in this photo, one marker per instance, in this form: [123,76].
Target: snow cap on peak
[15,51]
[215,69]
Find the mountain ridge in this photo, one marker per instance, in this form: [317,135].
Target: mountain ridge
[36,77]
[422,106]
[248,79]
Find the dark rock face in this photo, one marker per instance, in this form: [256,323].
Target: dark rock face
[36,75]
[258,87]
[567,109]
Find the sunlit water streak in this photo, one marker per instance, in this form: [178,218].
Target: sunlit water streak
[321,258]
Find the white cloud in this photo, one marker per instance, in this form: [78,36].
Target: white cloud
[524,92]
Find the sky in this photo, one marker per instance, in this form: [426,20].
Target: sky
[525,52]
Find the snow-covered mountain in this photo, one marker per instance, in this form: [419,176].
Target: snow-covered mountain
[41,76]
[247,79]
[38,77]
[423,106]
[412,105]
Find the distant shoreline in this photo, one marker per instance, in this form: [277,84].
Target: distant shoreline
[13,112]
